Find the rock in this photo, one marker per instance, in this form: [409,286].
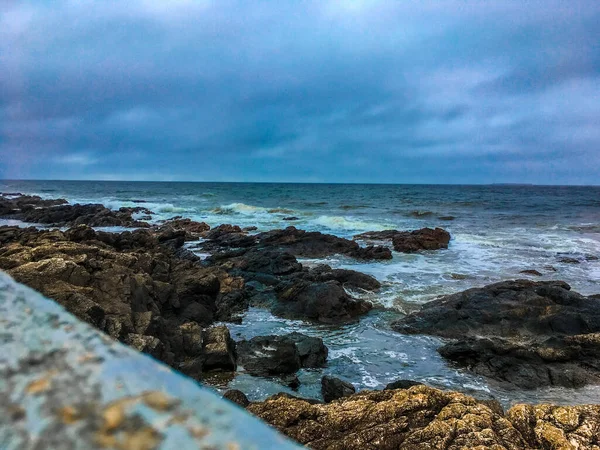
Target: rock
[527,333]
[325,302]
[291,218]
[403,384]
[569,260]
[333,388]
[129,285]
[281,355]
[349,278]
[312,351]
[219,350]
[317,245]
[237,397]
[192,230]
[269,356]
[424,239]
[58,213]
[446,218]
[410,241]
[531,272]
[417,418]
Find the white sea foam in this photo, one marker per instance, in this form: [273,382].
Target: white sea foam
[344,223]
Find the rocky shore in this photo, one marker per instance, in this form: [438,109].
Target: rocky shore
[146,288]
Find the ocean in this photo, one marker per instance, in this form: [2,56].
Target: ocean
[497,232]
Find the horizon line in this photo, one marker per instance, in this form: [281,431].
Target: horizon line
[507,184]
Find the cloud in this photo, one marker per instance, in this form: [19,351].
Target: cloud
[320,90]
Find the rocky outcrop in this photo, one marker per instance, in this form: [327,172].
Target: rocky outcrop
[325,302]
[294,241]
[281,355]
[426,418]
[134,286]
[58,213]
[527,333]
[193,230]
[333,388]
[410,241]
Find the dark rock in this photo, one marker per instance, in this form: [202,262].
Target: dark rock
[569,260]
[192,230]
[269,356]
[218,349]
[402,384]
[292,381]
[312,351]
[349,278]
[410,241]
[291,218]
[237,397]
[281,355]
[333,388]
[447,218]
[531,272]
[325,302]
[423,239]
[526,333]
[59,213]
[317,245]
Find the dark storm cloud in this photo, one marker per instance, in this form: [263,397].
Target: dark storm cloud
[457,91]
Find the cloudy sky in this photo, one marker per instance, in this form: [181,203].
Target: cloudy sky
[421,91]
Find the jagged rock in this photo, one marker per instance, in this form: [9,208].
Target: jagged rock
[417,418]
[333,388]
[281,355]
[269,356]
[527,333]
[410,241]
[59,213]
[325,302]
[402,384]
[533,272]
[128,284]
[236,396]
[317,245]
[349,278]
[218,349]
[193,230]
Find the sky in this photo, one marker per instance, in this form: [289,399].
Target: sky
[410,91]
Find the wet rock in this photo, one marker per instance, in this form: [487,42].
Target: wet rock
[317,245]
[193,230]
[58,213]
[527,333]
[410,241]
[424,239]
[348,278]
[269,356]
[237,397]
[325,302]
[417,418]
[218,349]
[312,351]
[446,218]
[569,260]
[403,384]
[333,388]
[533,272]
[291,218]
[281,355]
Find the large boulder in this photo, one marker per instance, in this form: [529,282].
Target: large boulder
[333,388]
[281,355]
[317,245]
[325,302]
[410,241]
[527,333]
[218,349]
[269,356]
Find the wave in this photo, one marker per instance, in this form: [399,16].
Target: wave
[348,224]
[238,208]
